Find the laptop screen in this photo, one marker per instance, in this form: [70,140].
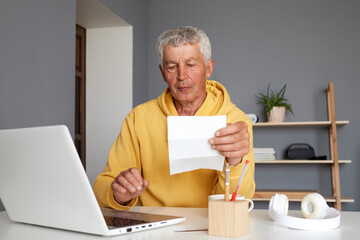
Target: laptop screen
[41,163]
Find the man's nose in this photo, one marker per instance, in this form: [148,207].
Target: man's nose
[182,72]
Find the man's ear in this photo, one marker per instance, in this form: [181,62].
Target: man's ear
[209,68]
[162,72]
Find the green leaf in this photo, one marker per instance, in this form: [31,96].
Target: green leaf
[272,99]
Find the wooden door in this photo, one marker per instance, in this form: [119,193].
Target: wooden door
[80,103]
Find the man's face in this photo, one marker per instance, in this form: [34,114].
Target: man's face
[185,72]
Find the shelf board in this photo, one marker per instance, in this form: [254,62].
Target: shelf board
[300,161]
[343,199]
[327,199]
[299,124]
[294,195]
[291,194]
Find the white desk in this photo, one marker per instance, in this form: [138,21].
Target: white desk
[260,227]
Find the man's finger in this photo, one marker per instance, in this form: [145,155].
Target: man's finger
[124,182]
[116,187]
[133,177]
[136,174]
[231,128]
[228,139]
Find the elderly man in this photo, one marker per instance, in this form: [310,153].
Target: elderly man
[137,171]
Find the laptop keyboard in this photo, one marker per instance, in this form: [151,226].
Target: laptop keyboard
[122,222]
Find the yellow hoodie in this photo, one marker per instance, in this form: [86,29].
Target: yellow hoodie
[143,144]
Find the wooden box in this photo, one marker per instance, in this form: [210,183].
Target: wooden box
[228,218]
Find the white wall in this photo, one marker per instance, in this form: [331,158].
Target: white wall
[108,91]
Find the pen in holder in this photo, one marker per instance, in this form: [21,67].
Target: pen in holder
[227,181]
[229,218]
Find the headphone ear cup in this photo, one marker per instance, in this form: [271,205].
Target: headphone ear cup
[314,206]
[283,204]
[280,204]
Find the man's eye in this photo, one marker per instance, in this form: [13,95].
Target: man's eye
[171,67]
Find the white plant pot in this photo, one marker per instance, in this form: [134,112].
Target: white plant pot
[277,114]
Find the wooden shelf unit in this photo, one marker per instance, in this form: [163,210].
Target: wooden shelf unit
[294,196]
[265,195]
[299,124]
[300,161]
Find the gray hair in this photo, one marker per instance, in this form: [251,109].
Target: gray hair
[182,36]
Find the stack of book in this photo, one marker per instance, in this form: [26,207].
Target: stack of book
[264,154]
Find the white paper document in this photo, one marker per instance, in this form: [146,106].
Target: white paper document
[189,147]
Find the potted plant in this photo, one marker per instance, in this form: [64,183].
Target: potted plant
[275,104]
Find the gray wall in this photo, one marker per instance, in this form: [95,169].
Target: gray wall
[305,44]
[302,43]
[37,45]
[36,63]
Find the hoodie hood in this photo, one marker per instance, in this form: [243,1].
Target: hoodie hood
[217,101]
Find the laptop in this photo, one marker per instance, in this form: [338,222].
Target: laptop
[43,182]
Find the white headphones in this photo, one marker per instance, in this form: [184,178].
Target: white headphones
[319,216]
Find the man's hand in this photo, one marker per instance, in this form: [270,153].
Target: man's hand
[128,185]
[232,142]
